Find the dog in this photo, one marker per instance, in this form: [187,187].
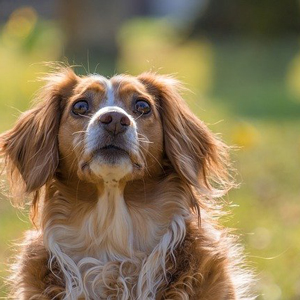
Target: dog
[124,181]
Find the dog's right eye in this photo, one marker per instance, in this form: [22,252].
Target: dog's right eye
[80,108]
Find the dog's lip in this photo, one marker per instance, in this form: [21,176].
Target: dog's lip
[110,147]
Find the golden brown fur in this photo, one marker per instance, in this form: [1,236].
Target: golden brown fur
[135,223]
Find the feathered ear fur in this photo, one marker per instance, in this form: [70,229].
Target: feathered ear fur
[30,148]
[196,154]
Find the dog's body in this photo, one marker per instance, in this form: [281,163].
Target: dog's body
[121,174]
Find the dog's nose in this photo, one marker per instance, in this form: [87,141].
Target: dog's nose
[114,122]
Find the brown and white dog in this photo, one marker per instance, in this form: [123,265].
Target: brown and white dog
[123,179]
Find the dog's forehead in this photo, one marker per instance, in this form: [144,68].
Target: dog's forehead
[106,86]
[118,86]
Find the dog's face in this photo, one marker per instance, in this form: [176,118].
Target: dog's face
[111,130]
[94,129]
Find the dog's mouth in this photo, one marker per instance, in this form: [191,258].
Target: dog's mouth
[111,151]
[109,147]
[110,155]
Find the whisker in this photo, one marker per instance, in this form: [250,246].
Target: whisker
[96,68]
[86,72]
[145,141]
[75,146]
[152,156]
[142,135]
[80,131]
[145,162]
[88,117]
[143,155]
[144,138]
[139,116]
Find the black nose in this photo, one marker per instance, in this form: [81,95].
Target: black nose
[114,122]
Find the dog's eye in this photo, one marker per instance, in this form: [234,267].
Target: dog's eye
[142,107]
[80,108]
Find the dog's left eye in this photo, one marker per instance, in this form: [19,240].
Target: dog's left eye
[142,107]
[80,108]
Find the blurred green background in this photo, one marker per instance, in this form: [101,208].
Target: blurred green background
[240,59]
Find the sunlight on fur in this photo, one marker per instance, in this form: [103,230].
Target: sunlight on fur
[124,181]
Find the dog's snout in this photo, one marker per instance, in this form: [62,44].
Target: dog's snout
[114,122]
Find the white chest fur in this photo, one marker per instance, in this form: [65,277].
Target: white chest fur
[107,256]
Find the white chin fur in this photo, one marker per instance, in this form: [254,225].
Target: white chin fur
[111,171]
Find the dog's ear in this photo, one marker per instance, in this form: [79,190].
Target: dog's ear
[30,148]
[196,154]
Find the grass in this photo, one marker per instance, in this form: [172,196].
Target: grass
[246,84]
[252,79]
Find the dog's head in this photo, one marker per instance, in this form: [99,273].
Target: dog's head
[97,130]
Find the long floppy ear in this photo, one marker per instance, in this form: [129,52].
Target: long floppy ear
[196,154]
[30,148]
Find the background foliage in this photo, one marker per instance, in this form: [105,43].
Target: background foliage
[246,87]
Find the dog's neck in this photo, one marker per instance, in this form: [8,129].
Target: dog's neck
[116,220]
[110,222]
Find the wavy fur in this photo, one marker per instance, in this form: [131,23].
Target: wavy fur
[121,226]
